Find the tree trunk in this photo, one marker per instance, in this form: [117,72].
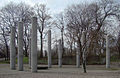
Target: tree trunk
[70,48]
[26,55]
[84,65]
[41,51]
[6,48]
[80,46]
[83,43]
[7,51]
[25,52]
[62,42]
[119,50]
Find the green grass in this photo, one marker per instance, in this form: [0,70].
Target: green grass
[70,61]
[114,59]
[112,69]
[4,62]
[25,60]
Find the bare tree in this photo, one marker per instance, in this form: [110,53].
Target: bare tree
[10,15]
[103,10]
[89,18]
[69,40]
[44,17]
[5,38]
[60,24]
[79,19]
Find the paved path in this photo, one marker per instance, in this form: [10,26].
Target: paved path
[93,71]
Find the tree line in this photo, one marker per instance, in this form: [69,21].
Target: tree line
[94,19]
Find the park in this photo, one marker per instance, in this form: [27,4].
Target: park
[83,41]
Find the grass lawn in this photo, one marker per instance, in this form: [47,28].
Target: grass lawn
[114,59]
[54,61]
[25,61]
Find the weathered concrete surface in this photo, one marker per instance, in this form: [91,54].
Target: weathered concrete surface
[107,52]
[60,54]
[68,71]
[12,49]
[78,56]
[34,45]
[20,46]
[49,49]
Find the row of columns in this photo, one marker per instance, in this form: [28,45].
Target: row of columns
[77,53]
[33,49]
[49,51]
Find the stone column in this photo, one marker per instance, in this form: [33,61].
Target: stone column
[49,49]
[20,46]
[12,49]
[107,52]
[60,54]
[34,45]
[30,49]
[78,56]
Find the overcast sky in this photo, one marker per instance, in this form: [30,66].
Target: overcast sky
[55,6]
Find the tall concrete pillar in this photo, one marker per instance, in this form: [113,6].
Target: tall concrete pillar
[20,46]
[30,48]
[107,52]
[49,49]
[34,45]
[78,56]
[12,49]
[60,54]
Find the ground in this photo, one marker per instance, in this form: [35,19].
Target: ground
[67,71]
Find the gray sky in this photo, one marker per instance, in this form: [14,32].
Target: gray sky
[55,6]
